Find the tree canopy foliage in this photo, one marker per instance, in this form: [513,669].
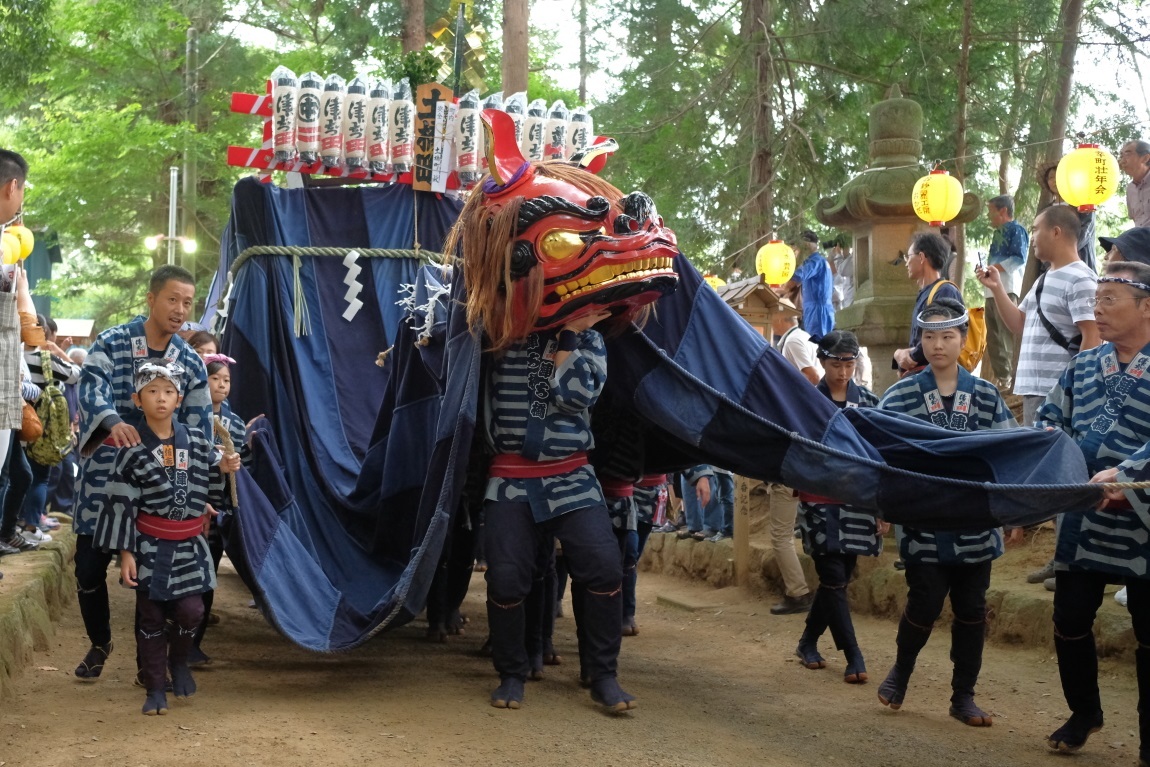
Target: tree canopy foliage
[687,92]
[96,96]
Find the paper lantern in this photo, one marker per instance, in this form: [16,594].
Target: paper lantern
[9,248]
[27,239]
[937,197]
[713,281]
[776,262]
[1087,177]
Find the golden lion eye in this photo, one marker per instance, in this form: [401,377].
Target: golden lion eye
[561,243]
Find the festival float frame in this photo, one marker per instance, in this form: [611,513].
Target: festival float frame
[431,110]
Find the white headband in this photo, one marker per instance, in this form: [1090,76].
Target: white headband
[954,322]
[150,371]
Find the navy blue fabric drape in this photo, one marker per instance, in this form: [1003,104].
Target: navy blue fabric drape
[359,469]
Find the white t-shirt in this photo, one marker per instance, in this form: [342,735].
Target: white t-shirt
[797,347]
[1066,295]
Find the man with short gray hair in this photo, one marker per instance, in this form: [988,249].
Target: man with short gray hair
[1134,161]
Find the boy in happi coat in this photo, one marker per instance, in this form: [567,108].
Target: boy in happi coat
[159,492]
[942,563]
[835,535]
[108,420]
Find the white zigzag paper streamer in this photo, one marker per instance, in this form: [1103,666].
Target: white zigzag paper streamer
[353,286]
[422,317]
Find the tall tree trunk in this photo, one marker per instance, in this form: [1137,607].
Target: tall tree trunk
[960,131]
[758,211]
[515,16]
[1070,19]
[584,65]
[414,26]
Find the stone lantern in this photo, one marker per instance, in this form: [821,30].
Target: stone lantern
[875,206]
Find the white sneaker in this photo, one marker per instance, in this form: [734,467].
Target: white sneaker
[36,536]
[1120,597]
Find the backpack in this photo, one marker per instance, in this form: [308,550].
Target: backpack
[975,345]
[56,440]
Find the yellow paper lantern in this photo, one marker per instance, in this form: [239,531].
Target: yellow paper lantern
[1087,177]
[937,197]
[27,239]
[10,245]
[713,281]
[776,262]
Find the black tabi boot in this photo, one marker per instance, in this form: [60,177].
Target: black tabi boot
[808,650]
[509,693]
[1078,670]
[93,663]
[578,596]
[966,642]
[179,643]
[1142,662]
[153,657]
[533,618]
[836,611]
[630,583]
[911,639]
[550,582]
[508,652]
[600,622]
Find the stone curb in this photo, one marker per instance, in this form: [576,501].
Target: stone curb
[36,588]
[1018,617]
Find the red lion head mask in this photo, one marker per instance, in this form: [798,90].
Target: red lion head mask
[546,243]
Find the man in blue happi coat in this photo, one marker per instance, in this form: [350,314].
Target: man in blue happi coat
[108,420]
[1102,401]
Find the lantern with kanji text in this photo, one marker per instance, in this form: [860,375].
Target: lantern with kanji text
[937,197]
[775,261]
[1087,177]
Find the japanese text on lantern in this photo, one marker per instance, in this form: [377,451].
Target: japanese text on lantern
[427,98]
[334,120]
[285,116]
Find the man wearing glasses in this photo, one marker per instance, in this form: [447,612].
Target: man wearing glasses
[1102,401]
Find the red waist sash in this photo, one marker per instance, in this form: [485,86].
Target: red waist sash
[652,480]
[169,529]
[510,466]
[617,488]
[820,499]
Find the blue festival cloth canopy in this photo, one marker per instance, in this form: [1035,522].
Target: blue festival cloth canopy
[359,469]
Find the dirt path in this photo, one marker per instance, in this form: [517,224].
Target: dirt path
[716,687]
